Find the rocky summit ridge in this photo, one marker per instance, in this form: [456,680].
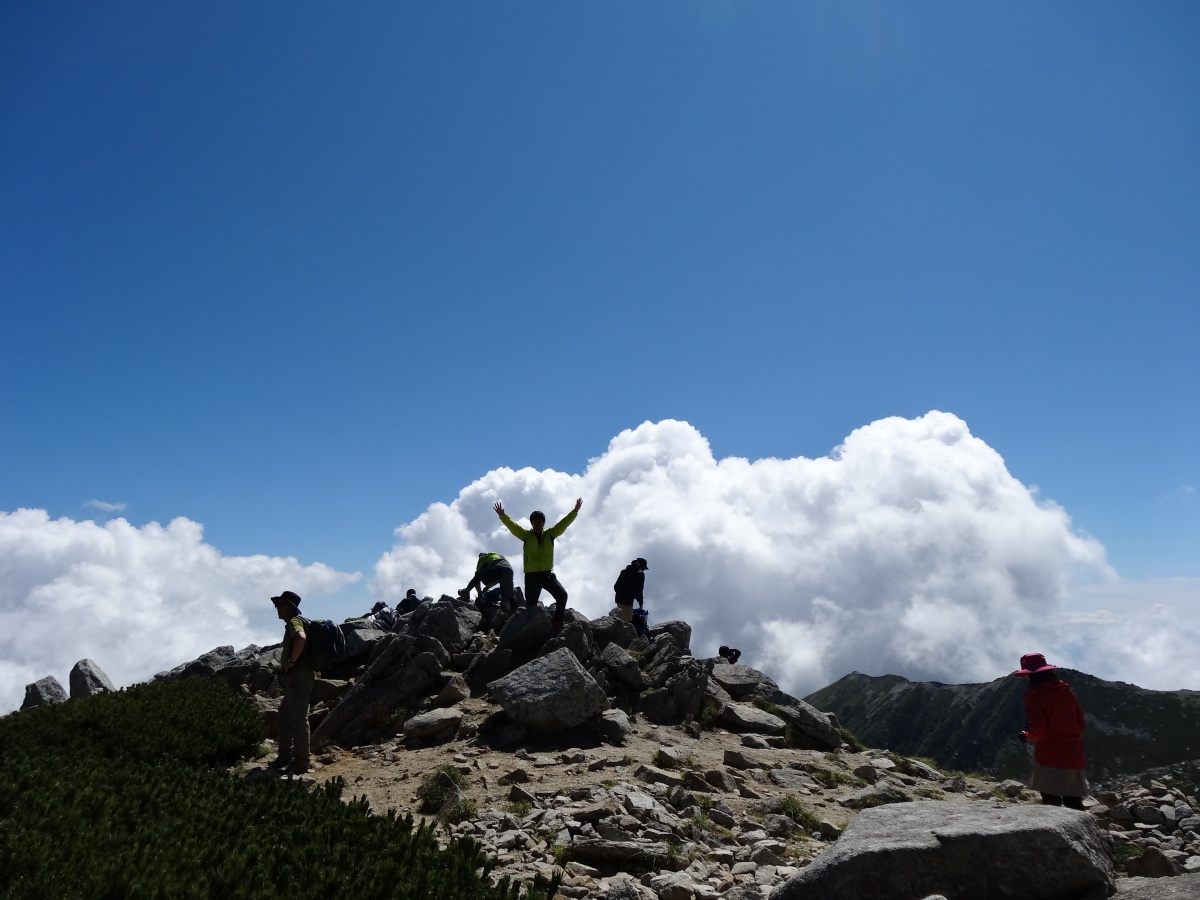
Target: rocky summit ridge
[640,771]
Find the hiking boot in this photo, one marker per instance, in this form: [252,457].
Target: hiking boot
[280,763]
[299,769]
[556,625]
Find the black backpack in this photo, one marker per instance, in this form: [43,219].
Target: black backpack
[325,646]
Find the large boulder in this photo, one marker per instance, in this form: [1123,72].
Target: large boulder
[681,631]
[975,850]
[452,623]
[744,717]
[811,728]
[525,631]
[737,680]
[611,630]
[623,667]
[87,678]
[681,694]
[44,692]
[432,726]
[361,635]
[387,686]
[576,637]
[550,693]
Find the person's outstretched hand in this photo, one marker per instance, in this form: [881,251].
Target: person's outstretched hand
[499,508]
[578,503]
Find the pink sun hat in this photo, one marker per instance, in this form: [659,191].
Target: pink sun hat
[1032,663]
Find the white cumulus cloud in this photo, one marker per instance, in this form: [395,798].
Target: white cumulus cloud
[137,600]
[909,549]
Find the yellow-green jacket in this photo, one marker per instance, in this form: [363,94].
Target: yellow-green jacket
[538,555]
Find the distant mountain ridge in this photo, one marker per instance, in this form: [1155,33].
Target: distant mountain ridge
[973,727]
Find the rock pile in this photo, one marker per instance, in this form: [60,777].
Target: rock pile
[1160,823]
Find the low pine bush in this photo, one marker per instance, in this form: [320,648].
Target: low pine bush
[127,795]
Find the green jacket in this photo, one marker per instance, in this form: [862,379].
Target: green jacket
[538,555]
[487,560]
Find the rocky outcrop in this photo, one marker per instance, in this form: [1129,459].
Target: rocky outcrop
[44,692]
[985,853]
[87,678]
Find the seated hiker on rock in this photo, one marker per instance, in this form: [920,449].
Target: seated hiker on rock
[492,568]
[410,602]
[1055,728]
[730,654]
[538,556]
[297,680]
[384,617]
[629,587]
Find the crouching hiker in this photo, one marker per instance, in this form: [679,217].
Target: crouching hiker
[297,679]
[538,556]
[491,569]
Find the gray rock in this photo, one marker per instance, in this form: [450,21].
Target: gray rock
[614,726]
[525,631]
[622,890]
[623,667]
[681,693]
[761,741]
[1012,788]
[611,630]
[550,693]
[386,685]
[673,886]
[576,637]
[361,635]
[452,624]
[744,717]
[44,692]
[433,725]
[738,680]
[596,851]
[739,760]
[87,678]
[680,631]
[454,690]
[810,727]
[960,850]
[1153,863]
[1185,887]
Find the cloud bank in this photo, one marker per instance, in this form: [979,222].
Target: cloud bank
[137,600]
[910,549]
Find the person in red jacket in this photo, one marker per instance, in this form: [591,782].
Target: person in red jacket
[1055,726]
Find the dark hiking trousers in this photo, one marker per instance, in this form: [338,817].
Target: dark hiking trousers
[536,582]
[497,574]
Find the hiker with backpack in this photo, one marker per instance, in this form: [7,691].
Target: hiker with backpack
[629,587]
[538,556]
[297,680]
[492,568]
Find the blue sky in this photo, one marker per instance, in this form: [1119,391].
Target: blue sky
[298,271]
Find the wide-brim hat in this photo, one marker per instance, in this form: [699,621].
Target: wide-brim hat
[287,597]
[1032,663]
